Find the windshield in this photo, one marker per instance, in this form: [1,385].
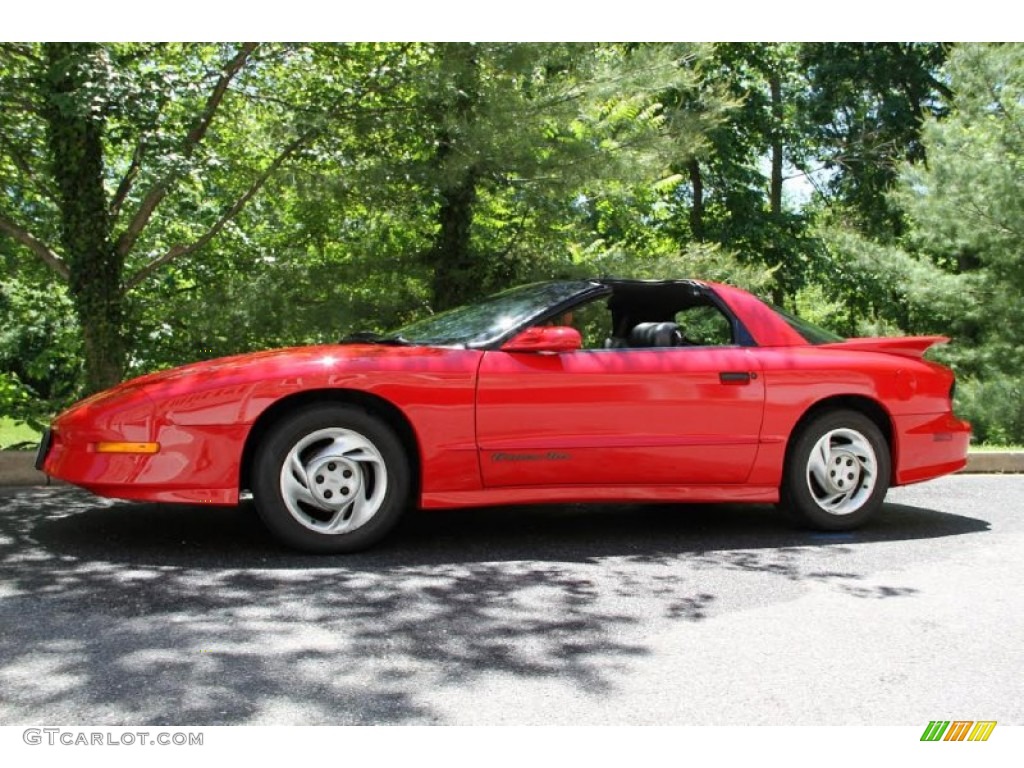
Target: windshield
[491,318]
[812,333]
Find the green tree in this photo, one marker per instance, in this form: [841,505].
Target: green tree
[966,210]
[502,160]
[861,112]
[732,188]
[145,154]
[525,137]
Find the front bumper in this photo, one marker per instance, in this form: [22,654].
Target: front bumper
[195,464]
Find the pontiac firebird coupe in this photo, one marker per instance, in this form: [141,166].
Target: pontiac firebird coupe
[568,391]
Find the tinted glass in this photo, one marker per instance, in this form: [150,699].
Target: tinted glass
[704,325]
[491,318]
[811,332]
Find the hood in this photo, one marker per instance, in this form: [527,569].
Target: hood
[287,360]
[254,366]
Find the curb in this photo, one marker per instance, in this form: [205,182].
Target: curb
[995,462]
[16,467]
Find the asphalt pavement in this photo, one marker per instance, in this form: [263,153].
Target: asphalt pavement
[124,614]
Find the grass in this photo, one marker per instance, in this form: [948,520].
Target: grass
[12,433]
[995,448]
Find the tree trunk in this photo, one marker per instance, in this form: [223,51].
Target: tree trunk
[775,187]
[697,211]
[75,137]
[456,272]
[455,276]
[775,193]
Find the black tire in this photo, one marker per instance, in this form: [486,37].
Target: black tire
[341,461]
[857,472]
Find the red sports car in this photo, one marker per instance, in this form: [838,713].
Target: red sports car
[566,391]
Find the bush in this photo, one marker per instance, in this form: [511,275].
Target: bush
[13,395]
[40,364]
[995,408]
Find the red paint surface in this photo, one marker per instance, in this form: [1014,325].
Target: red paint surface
[496,427]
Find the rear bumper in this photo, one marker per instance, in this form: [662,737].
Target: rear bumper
[929,446]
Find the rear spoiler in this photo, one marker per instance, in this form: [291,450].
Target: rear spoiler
[906,346]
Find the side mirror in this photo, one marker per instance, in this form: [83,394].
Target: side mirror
[545,338]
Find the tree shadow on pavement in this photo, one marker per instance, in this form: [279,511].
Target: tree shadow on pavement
[78,524]
[154,614]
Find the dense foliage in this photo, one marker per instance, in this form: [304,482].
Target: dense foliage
[167,203]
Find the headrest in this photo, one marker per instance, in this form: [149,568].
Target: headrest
[655,335]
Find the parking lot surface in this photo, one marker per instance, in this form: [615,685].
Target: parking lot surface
[121,613]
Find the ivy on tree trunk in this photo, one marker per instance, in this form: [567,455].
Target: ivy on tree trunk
[75,136]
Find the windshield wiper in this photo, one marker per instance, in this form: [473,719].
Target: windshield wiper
[372,337]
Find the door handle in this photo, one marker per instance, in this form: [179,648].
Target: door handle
[736,377]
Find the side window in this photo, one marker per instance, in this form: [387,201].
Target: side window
[705,325]
[594,322]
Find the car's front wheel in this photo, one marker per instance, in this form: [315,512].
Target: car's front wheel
[331,479]
[837,472]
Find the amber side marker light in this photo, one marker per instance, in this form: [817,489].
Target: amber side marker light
[127,447]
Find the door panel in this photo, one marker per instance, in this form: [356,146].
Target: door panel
[689,415]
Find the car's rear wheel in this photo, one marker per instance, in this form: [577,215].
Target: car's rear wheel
[331,479]
[837,471]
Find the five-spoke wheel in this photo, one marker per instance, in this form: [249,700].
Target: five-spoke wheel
[841,471]
[332,478]
[837,471]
